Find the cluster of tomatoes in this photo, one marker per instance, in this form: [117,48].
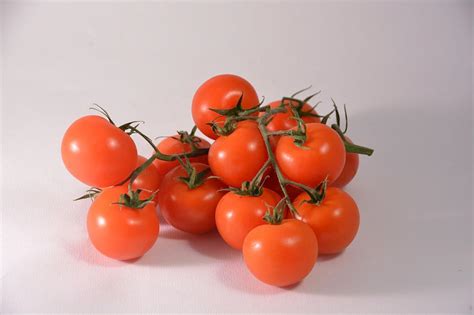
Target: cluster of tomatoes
[270,181]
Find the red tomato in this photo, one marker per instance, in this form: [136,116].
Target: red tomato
[97,153]
[285,121]
[322,155]
[238,157]
[190,210]
[281,254]
[149,179]
[120,232]
[237,215]
[335,221]
[350,169]
[220,92]
[172,145]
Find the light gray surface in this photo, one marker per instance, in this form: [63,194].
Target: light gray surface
[403,68]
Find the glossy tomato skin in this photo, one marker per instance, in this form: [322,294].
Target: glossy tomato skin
[119,232]
[172,145]
[220,92]
[281,255]
[335,221]
[285,121]
[97,153]
[322,155]
[237,215]
[189,210]
[350,169]
[149,179]
[238,157]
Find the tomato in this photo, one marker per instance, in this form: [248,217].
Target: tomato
[238,157]
[149,179]
[172,145]
[322,155]
[97,153]
[120,232]
[220,92]
[190,210]
[350,169]
[281,254]
[237,215]
[335,221]
[285,121]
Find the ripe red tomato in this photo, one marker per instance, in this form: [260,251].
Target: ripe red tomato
[238,157]
[149,179]
[120,232]
[172,145]
[281,254]
[190,210]
[237,215]
[322,155]
[97,153]
[220,92]
[285,121]
[350,169]
[335,221]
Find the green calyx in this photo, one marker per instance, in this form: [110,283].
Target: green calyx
[317,194]
[194,178]
[255,186]
[276,216]
[132,199]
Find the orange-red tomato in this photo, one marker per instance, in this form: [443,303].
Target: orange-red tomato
[350,169]
[285,121]
[238,157]
[149,179]
[120,232]
[322,155]
[190,210]
[237,215]
[281,254]
[220,92]
[172,145]
[97,153]
[335,221]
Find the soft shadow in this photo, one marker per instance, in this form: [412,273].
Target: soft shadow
[328,257]
[212,245]
[83,250]
[235,275]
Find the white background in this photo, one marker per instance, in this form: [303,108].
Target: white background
[402,67]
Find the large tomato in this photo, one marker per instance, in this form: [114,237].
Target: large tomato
[190,210]
[98,153]
[322,155]
[285,121]
[120,232]
[237,215]
[281,254]
[220,92]
[350,169]
[335,221]
[238,157]
[173,145]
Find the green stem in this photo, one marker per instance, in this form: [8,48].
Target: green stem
[351,147]
[271,158]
